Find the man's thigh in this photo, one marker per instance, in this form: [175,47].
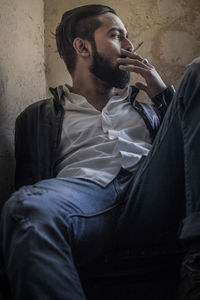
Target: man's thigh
[84,213]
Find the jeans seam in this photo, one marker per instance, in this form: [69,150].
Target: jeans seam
[95,214]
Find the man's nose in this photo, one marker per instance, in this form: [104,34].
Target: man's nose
[128,45]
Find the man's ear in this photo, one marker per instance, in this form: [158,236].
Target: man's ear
[82,47]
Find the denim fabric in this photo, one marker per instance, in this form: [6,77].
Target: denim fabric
[48,221]
[50,228]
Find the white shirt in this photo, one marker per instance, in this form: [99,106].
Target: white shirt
[95,145]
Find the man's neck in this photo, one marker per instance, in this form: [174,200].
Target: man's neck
[95,91]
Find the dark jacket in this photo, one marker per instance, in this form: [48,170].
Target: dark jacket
[38,133]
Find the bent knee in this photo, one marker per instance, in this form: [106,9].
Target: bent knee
[195,62]
[192,72]
[29,202]
[37,205]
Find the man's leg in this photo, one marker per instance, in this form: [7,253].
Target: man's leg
[163,200]
[49,227]
[154,199]
[166,187]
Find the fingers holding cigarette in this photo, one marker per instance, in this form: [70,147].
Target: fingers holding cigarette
[132,61]
[132,55]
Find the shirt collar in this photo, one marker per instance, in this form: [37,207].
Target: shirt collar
[64,94]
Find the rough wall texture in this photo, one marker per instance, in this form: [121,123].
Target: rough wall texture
[22,76]
[169,29]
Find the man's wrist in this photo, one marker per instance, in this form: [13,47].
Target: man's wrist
[165,97]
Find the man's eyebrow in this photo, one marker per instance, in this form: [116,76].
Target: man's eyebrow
[119,30]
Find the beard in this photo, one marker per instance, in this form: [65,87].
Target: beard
[101,67]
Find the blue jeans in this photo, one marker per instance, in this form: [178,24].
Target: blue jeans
[51,228]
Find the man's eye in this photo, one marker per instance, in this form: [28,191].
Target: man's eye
[116,35]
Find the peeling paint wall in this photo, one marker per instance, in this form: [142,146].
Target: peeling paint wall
[169,29]
[22,76]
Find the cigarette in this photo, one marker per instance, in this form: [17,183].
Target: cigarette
[138,46]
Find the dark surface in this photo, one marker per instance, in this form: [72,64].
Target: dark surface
[136,278]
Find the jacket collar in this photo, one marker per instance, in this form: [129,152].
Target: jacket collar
[132,96]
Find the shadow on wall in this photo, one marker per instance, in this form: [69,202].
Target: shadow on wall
[7,163]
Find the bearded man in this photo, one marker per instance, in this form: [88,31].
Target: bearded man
[96,167]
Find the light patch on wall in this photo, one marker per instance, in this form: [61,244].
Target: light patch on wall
[176,47]
[170,8]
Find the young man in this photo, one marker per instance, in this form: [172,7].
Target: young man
[93,166]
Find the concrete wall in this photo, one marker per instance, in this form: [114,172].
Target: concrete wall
[169,29]
[22,76]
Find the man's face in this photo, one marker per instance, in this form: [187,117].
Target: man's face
[106,48]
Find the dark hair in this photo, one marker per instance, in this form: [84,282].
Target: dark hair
[77,22]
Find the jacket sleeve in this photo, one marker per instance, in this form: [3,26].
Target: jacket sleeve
[162,101]
[23,172]
[37,131]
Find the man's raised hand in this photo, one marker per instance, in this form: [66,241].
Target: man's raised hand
[135,63]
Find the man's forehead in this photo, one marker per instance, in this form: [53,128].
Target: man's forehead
[110,20]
